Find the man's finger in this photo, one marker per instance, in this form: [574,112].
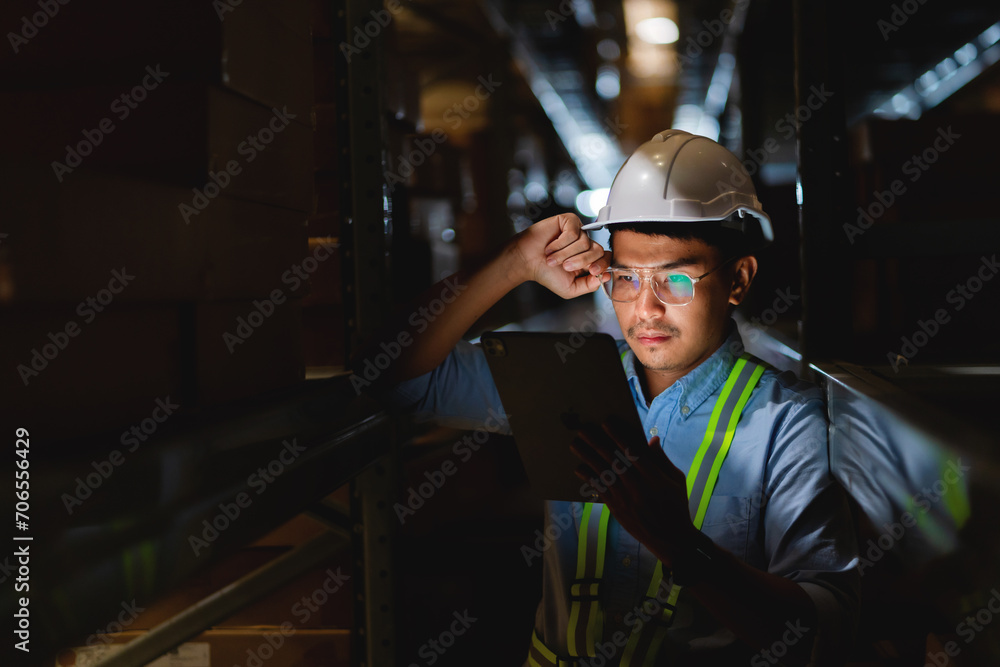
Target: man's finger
[586,453]
[573,257]
[659,458]
[581,254]
[569,232]
[616,431]
[584,284]
[598,441]
[601,264]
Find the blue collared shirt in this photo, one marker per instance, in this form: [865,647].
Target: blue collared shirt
[775,504]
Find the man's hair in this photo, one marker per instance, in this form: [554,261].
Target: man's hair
[729,242]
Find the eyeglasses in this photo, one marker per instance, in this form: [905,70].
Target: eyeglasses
[670,287]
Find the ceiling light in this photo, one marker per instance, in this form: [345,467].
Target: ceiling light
[659,30]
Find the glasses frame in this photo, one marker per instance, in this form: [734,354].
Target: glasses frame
[646,276]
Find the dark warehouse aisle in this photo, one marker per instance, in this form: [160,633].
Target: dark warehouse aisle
[270,277]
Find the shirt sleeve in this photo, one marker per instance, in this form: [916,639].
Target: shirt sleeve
[459,393]
[809,531]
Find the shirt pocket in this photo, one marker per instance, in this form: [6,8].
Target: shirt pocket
[727,522]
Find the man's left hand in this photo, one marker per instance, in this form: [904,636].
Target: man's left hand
[648,498]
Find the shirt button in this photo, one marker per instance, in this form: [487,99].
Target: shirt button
[685,410]
[653,431]
[626,561]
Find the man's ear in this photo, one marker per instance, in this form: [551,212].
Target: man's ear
[743,275]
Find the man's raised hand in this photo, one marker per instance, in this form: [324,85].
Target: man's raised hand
[557,253]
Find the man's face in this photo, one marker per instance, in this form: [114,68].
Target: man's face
[673,338]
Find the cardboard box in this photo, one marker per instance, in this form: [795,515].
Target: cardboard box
[275,647]
[242,351]
[325,285]
[96,371]
[324,342]
[258,48]
[327,148]
[64,240]
[189,135]
[319,598]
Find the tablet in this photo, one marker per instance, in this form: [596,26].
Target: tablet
[548,382]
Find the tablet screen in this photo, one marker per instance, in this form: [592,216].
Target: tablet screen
[550,382]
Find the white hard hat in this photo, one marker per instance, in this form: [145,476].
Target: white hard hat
[681,177]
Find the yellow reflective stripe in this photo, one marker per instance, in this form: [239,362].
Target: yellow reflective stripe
[654,584]
[581,551]
[633,641]
[647,641]
[536,641]
[674,594]
[713,474]
[659,634]
[571,634]
[595,624]
[712,422]
[583,590]
[602,533]
[593,614]
[956,500]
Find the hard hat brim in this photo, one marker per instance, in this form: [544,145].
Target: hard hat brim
[762,218]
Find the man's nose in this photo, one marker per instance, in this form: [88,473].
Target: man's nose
[647,304]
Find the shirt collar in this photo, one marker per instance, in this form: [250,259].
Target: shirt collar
[704,380]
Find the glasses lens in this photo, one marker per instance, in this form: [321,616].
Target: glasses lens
[623,286]
[674,288]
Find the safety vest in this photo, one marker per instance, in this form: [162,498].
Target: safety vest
[586,619]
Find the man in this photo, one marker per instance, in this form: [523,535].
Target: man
[752,557]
